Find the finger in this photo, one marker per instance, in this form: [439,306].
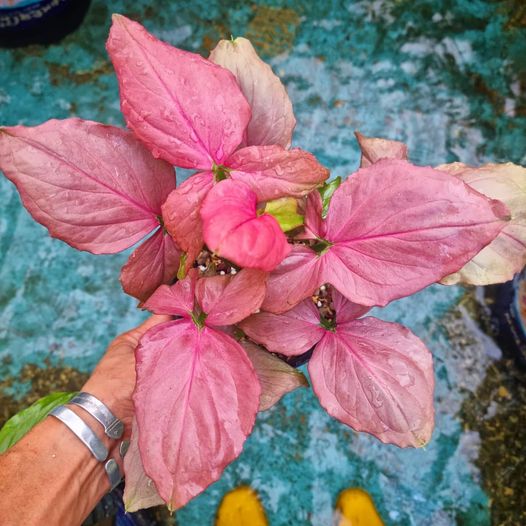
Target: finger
[152,321]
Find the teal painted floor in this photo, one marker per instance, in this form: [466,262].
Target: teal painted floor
[447,77]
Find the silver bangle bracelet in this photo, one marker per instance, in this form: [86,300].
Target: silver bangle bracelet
[82,431]
[113,427]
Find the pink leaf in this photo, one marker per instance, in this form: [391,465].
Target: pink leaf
[277,378]
[506,254]
[273,172]
[93,186]
[139,491]
[376,377]
[396,228]
[346,310]
[196,397]
[153,263]
[175,300]
[314,225]
[291,333]
[181,213]
[229,299]
[272,117]
[295,279]
[373,149]
[233,229]
[184,108]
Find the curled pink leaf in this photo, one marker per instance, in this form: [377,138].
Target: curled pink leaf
[229,299]
[376,377]
[197,396]
[506,254]
[276,377]
[273,172]
[139,491]
[291,333]
[272,119]
[181,213]
[233,229]
[190,124]
[153,263]
[93,186]
[346,310]
[373,149]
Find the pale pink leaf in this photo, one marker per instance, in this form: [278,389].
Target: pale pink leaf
[174,300]
[273,172]
[93,186]
[376,377]
[139,490]
[396,228]
[272,116]
[292,333]
[277,378]
[295,279]
[153,263]
[181,213]
[186,109]
[373,149]
[233,229]
[506,254]
[346,310]
[227,300]
[314,225]
[196,397]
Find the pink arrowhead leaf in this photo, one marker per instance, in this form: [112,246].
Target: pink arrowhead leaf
[154,262]
[376,377]
[181,213]
[190,123]
[392,229]
[229,299]
[196,398]
[373,149]
[272,119]
[273,172]
[276,377]
[139,491]
[291,333]
[233,229]
[506,254]
[93,186]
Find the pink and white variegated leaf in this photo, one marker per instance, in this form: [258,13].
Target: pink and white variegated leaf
[272,119]
[196,399]
[292,333]
[276,377]
[229,299]
[273,172]
[181,214]
[139,491]
[153,263]
[506,254]
[233,229]
[174,300]
[374,148]
[391,230]
[93,186]
[192,124]
[376,377]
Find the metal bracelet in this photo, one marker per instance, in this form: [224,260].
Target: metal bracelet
[82,431]
[113,472]
[113,427]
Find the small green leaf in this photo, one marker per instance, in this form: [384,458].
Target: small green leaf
[326,192]
[21,423]
[285,212]
[181,272]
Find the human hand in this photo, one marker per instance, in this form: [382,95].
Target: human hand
[113,380]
